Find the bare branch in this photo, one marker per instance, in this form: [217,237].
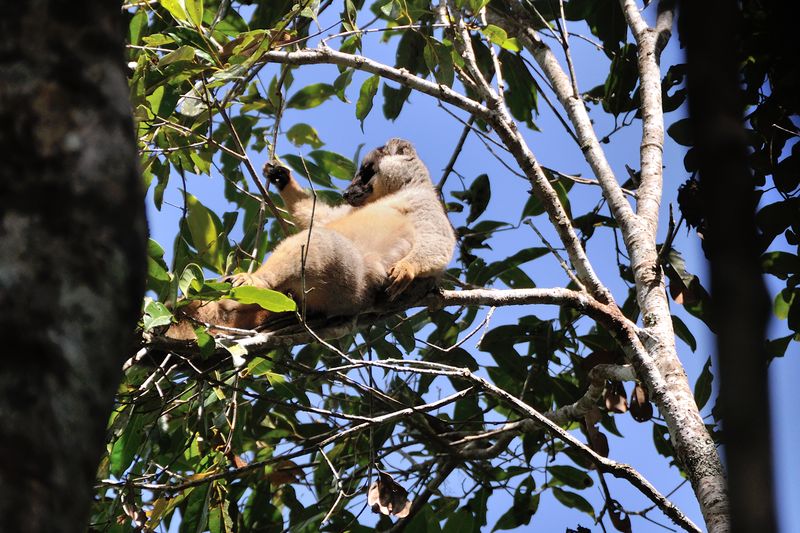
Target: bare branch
[329,56]
[576,111]
[649,43]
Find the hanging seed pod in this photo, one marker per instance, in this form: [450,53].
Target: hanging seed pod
[641,408]
[615,397]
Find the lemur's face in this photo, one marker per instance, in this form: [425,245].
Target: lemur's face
[362,186]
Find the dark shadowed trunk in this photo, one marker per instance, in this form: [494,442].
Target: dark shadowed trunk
[741,305]
[72,253]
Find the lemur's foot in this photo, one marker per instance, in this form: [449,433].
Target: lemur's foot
[244,278]
[400,276]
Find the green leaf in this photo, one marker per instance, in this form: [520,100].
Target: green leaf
[365,97]
[259,366]
[620,84]
[783,302]
[571,476]
[575,501]
[195,513]
[683,332]
[207,233]
[780,264]
[334,164]
[387,8]
[476,5]
[137,27]
[439,60]
[125,447]
[341,83]
[205,342]
[184,53]
[308,169]
[311,96]
[702,388]
[195,10]
[155,314]
[525,505]
[219,519]
[774,218]
[680,132]
[175,8]
[777,347]
[394,100]
[662,441]
[499,268]
[521,92]
[495,34]
[480,192]
[157,274]
[533,207]
[191,279]
[301,134]
[264,298]
[461,521]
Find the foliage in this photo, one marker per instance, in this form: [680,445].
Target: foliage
[227,440]
[770,78]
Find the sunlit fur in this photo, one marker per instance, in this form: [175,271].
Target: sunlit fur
[396,230]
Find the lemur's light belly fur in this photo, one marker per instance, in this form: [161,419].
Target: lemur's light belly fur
[393,230]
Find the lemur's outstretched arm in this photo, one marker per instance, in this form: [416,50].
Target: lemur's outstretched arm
[300,202]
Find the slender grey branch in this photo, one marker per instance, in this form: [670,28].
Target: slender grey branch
[649,43]
[576,111]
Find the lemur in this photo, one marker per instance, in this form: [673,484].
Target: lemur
[392,230]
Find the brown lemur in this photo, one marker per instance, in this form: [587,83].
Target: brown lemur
[392,230]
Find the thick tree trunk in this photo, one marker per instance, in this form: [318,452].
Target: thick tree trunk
[741,305]
[72,253]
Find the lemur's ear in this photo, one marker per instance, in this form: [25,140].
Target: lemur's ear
[402,147]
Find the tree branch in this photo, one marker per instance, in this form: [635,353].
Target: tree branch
[649,43]
[538,420]
[497,116]
[576,111]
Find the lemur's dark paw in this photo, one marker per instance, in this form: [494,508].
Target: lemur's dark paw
[276,174]
[237,280]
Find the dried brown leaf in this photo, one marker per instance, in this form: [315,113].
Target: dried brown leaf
[283,473]
[388,497]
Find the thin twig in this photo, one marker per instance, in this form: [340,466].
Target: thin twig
[251,169]
[557,255]
[456,152]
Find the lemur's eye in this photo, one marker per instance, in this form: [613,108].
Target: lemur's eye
[366,172]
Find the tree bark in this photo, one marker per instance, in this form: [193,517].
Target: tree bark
[740,301]
[72,253]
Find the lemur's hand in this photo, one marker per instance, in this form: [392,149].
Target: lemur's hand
[276,174]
